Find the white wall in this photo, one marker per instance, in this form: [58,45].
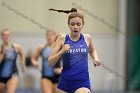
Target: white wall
[38,10]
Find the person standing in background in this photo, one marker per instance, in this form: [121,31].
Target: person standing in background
[8,69]
[50,75]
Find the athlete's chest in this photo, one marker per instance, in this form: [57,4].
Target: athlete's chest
[77,48]
[46,53]
[10,54]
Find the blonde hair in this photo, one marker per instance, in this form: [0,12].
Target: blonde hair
[74,15]
[4,30]
[53,32]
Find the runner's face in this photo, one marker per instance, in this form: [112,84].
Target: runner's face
[75,25]
[50,36]
[6,36]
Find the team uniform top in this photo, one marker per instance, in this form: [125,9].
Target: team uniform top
[46,70]
[75,66]
[75,60]
[8,64]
